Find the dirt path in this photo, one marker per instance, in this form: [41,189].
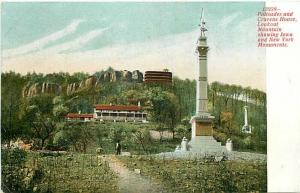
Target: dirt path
[131,182]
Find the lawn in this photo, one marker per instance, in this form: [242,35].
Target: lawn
[36,172]
[43,172]
[181,176]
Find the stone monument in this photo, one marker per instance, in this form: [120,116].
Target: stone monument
[229,145]
[202,143]
[202,133]
[246,128]
[184,144]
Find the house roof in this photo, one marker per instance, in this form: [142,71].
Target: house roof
[118,107]
[76,115]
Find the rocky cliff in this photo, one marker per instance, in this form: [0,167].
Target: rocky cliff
[92,81]
[125,75]
[71,88]
[89,82]
[137,76]
[41,88]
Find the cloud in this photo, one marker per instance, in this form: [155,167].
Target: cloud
[75,44]
[232,65]
[228,19]
[247,28]
[41,43]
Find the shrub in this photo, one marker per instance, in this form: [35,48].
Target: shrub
[61,140]
[13,161]
[202,175]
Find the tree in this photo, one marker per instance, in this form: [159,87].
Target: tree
[185,90]
[76,134]
[214,89]
[59,109]
[247,94]
[44,115]
[161,129]
[79,76]
[164,108]
[227,94]
[143,138]
[44,128]
[228,124]
[11,101]
[134,96]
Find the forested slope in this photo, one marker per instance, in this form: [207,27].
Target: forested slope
[32,112]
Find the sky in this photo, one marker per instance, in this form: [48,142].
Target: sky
[72,37]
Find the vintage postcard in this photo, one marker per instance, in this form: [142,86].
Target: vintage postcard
[137,97]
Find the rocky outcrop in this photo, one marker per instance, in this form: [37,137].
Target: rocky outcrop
[115,76]
[126,76]
[107,77]
[137,76]
[41,88]
[89,82]
[72,88]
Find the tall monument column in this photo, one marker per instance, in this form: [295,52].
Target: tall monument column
[202,133]
[202,99]
[201,122]
[246,116]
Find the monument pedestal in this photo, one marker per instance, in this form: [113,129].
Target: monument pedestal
[202,140]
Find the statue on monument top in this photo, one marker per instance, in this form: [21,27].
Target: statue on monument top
[202,24]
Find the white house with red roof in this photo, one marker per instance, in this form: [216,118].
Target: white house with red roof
[127,113]
[116,113]
[79,117]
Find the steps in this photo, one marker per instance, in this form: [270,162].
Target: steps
[205,144]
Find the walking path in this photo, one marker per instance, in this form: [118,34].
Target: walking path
[130,182]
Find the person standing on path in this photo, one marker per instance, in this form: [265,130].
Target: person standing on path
[118,148]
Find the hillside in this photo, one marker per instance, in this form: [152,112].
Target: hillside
[30,101]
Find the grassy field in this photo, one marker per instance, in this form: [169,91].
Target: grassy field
[153,147]
[181,176]
[42,172]
[64,173]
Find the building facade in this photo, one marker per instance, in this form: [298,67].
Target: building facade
[79,117]
[115,113]
[160,77]
[126,113]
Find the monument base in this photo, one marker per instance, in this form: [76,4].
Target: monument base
[206,144]
[202,140]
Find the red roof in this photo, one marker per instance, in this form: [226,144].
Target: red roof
[118,107]
[76,115]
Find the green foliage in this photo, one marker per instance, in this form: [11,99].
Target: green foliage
[76,136]
[76,173]
[12,175]
[43,116]
[134,138]
[79,76]
[64,173]
[143,139]
[227,106]
[182,131]
[166,105]
[163,108]
[180,176]
[185,90]
[62,140]
[60,109]
[11,100]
